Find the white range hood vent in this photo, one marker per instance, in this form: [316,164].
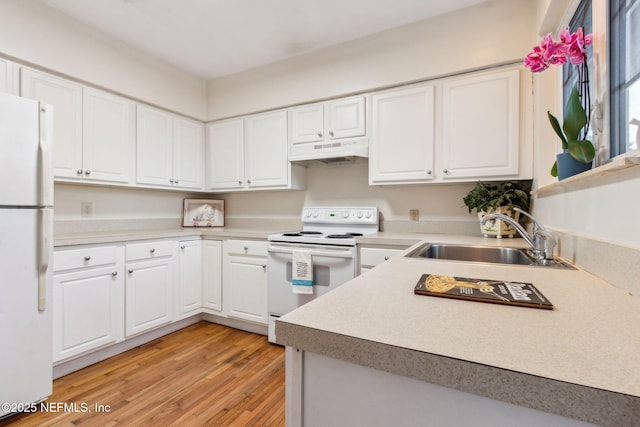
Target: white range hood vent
[330,152]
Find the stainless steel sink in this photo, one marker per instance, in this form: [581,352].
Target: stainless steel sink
[490,254]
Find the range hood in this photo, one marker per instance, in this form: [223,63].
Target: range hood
[330,152]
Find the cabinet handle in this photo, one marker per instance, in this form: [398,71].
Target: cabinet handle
[319,134]
[130,271]
[181,246]
[386,258]
[114,274]
[176,182]
[249,181]
[445,170]
[331,133]
[87,173]
[264,267]
[79,172]
[428,172]
[171,181]
[246,248]
[240,182]
[152,250]
[87,258]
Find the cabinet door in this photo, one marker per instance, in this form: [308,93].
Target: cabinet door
[306,123]
[66,98]
[149,294]
[402,136]
[225,154]
[212,274]
[108,137]
[481,126]
[189,276]
[266,163]
[245,288]
[88,310]
[188,147]
[8,77]
[154,147]
[345,118]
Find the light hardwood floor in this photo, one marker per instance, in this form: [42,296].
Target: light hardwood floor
[202,375]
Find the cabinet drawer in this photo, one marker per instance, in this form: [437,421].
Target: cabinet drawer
[246,247]
[84,257]
[375,256]
[146,250]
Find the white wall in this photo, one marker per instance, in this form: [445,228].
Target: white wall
[116,203]
[495,32]
[34,33]
[347,185]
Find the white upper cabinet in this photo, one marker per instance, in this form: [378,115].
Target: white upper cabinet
[93,131]
[481,126]
[8,77]
[402,136]
[265,160]
[453,129]
[66,98]
[169,150]
[251,153]
[188,153]
[108,136]
[225,155]
[342,118]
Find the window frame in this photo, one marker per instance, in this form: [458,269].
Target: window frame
[601,99]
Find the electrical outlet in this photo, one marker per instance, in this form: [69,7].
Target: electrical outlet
[414,214]
[86,208]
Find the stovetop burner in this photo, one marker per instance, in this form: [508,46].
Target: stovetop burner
[302,233]
[343,236]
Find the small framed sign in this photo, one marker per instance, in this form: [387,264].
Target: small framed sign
[203,213]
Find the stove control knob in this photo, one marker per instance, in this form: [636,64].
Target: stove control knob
[367,215]
[307,214]
[345,214]
[359,214]
[315,214]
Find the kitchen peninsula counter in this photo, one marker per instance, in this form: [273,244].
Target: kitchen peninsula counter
[580,360]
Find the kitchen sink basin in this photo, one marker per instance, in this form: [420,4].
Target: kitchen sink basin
[490,254]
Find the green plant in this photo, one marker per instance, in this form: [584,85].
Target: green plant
[575,118]
[488,196]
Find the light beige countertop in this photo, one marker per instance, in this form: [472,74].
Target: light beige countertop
[581,360]
[114,236]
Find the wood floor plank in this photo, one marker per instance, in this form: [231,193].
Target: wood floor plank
[202,375]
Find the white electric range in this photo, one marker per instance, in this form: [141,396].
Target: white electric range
[329,234]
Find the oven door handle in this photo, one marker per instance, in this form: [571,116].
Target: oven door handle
[315,250]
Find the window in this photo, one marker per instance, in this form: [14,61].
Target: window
[620,21]
[624,48]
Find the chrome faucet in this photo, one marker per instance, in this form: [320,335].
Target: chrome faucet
[543,241]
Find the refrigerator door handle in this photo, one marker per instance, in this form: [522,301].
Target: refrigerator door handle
[46,132]
[44,255]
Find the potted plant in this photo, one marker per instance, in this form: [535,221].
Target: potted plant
[498,197]
[578,151]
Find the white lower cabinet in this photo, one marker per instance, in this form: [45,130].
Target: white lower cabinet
[212,275]
[245,280]
[370,257]
[189,277]
[88,301]
[150,286]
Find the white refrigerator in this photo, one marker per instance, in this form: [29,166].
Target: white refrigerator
[26,243]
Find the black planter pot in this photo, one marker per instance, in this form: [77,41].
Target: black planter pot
[568,166]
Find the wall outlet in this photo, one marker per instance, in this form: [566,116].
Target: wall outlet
[414,214]
[86,208]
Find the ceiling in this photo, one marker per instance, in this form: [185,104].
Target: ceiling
[214,38]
